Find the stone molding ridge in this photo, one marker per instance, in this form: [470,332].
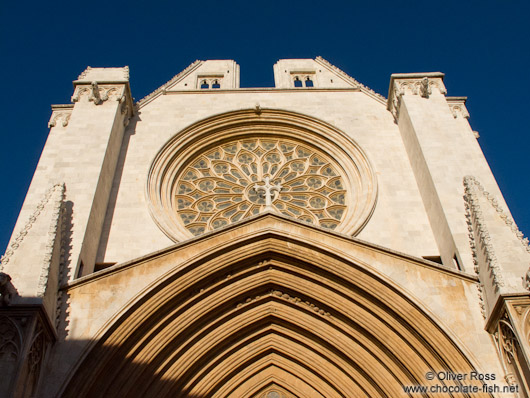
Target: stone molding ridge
[474,214]
[347,77]
[22,234]
[58,192]
[160,90]
[458,107]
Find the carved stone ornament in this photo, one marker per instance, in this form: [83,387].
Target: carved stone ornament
[459,110]
[59,116]
[425,89]
[412,84]
[225,184]
[97,93]
[7,290]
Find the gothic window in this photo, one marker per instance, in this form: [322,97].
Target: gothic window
[205,85]
[308,82]
[222,185]
[216,84]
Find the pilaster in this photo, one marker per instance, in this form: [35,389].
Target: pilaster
[442,149]
[82,151]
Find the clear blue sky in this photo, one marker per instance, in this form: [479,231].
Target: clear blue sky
[482,47]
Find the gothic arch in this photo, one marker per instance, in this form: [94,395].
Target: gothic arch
[177,156]
[268,310]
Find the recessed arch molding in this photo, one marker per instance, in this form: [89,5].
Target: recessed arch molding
[268,314]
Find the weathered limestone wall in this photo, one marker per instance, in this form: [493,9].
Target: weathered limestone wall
[399,220]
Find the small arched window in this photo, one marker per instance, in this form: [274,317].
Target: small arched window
[205,85]
[216,84]
[308,82]
[297,82]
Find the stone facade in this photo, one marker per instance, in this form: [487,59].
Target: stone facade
[314,239]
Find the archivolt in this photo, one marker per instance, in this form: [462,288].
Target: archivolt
[268,311]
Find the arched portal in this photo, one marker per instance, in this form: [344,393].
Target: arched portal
[268,313]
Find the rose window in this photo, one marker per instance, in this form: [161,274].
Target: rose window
[227,183]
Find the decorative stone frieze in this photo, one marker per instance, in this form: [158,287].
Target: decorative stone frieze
[424,85]
[99,93]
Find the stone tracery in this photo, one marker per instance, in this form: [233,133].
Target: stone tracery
[218,186]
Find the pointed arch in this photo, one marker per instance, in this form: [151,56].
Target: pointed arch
[268,309]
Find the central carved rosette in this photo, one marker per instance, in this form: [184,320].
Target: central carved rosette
[218,186]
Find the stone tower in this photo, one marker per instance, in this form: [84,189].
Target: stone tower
[314,239]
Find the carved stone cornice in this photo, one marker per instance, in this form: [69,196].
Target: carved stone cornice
[99,93]
[421,84]
[60,115]
[457,105]
[99,85]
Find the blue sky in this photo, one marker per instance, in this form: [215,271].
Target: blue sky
[482,47]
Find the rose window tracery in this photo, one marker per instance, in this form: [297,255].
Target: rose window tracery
[217,187]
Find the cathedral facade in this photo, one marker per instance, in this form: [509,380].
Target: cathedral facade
[313,239]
